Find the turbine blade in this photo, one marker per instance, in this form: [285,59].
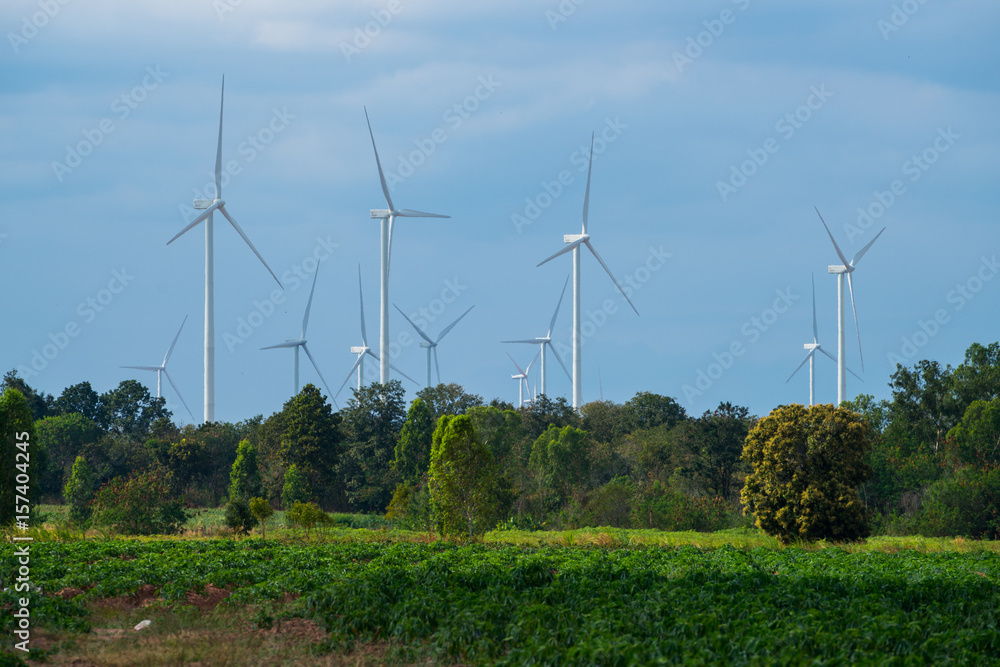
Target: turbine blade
[409,213]
[799,367]
[178,392]
[437,366]
[519,369]
[350,374]
[552,323]
[419,331]
[452,325]
[815,328]
[837,247]
[239,231]
[565,250]
[533,341]
[218,151]
[381,176]
[207,212]
[404,375]
[144,368]
[388,261]
[361,296]
[552,349]
[286,344]
[170,350]
[586,195]
[832,358]
[857,326]
[305,319]
[305,348]
[854,374]
[528,369]
[613,279]
[861,253]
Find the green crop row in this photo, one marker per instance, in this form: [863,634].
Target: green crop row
[565,605]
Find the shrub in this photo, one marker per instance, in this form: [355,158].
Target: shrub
[308,516]
[262,511]
[239,517]
[295,489]
[78,492]
[663,508]
[138,505]
[966,504]
[611,504]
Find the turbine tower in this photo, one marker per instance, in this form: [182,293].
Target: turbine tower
[840,270]
[546,341]
[522,379]
[388,218]
[210,206]
[575,241]
[813,348]
[363,349]
[300,342]
[161,370]
[431,345]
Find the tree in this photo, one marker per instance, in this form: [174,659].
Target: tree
[21,456]
[130,410]
[977,436]
[244,478]
[64,438]
[560,461]
[806,467]
[79,491]
[924,405]
[414,447]
[80,399]
[40,404]
[295,489]
[464,487]
[373,420]
[262,511]
[543,412]
[138,505]
[604,421]
[647,410]
[448,399]
[716,442]
[312,441]
[978,377]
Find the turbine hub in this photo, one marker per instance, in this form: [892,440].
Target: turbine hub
[380,213]
[837,269]
[570,238]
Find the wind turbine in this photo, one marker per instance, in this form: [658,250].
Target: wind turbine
[161,370]
[575,241]
[840,270]
[431,345]
[210,206]
[546,341]
[813,348]
[296,343]
[522,379]
[388,218]
[363,349]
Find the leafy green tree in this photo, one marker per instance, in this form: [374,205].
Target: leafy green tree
[544,412]
[876,413]
[977,436]
[605,421]
[40,404]
[244,478]
[977,378]
[464,488]
[22,457]
[611,504]
[448,399]
[806,467]
[716,442]
[80,399]
[64,437]
[647,410]
[79,491]
[312,441]
[924,405]
[965,504]
[262,511]
[500,431]
[130,410]
[295,490]
[138,505]
[373,418]
[414,447]
[239,517]
[560,460]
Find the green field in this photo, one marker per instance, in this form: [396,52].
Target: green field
[358,597]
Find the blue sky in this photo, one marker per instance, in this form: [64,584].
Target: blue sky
[719,126]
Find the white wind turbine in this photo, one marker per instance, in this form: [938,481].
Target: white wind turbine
[813,348]
[522,379]
[363,349]
[546,341]
[431,345]
[388,218]
[575,241]
[840,270]
[210,206]
[300,342]
[161,370]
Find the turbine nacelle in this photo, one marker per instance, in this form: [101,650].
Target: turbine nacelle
[837,269]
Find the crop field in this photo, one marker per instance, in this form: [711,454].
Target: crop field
[252,601]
